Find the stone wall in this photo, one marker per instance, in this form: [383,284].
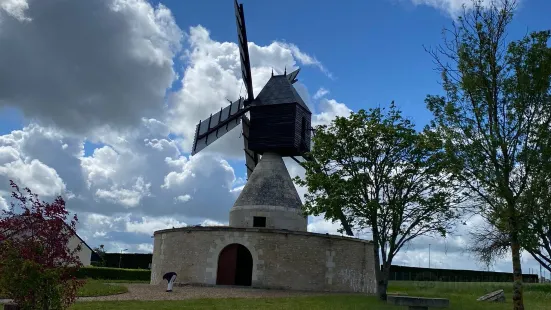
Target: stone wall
[276,217]
[281,259]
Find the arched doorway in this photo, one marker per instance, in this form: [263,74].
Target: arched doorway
[235,266]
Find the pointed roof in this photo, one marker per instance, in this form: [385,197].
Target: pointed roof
[279,90]
[269,185]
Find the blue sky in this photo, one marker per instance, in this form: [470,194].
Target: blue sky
[374,49]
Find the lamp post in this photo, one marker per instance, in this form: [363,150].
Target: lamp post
[429,255]
[120,258]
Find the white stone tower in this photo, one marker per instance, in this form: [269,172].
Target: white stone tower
[269,198]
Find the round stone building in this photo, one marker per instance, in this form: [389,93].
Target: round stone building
[266,244]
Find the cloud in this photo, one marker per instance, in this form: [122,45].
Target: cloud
[138,179]
[329,110]
[34,173]
[452,7]
[213,76]
[320,93]
[3,204]
[15,9]
[138,172]
[109,62]
[148,225]
[306,59]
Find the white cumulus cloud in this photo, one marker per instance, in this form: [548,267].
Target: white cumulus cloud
[453,7]
[86,64]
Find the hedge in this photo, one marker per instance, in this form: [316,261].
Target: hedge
[407,273]
[103,273]
[126,260]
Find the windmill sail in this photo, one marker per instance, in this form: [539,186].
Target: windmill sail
[244,51]
[251,158]
[292,77]
[217,125]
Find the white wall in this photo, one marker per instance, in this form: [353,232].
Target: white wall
[85,254]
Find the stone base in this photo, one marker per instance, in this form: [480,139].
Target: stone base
[276,217]
[281,259]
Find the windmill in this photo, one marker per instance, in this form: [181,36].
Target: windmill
[280,120]
[279,126]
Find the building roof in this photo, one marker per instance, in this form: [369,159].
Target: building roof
[279,90]
[74,232]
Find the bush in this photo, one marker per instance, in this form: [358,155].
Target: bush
[36,263]
[104,273]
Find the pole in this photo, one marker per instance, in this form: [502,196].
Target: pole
[120,257]
[429,255]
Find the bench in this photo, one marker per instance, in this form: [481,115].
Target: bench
[418,303]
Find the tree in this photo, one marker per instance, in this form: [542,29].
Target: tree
[100,251]
[382,175]
[489,244]
[494,116]
[536,232]
[36,264]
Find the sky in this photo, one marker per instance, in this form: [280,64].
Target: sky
[99,100]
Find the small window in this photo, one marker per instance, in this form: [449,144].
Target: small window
[259,221]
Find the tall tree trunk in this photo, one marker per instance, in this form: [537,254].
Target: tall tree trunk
[518,302]
[382,284]
[380,277]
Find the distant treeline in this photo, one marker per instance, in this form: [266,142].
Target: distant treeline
[404,273]
[126,260]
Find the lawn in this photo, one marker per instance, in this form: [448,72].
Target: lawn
[461,295]
[98,288]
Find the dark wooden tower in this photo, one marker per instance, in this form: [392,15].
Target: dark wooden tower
[280,120]
[279,126]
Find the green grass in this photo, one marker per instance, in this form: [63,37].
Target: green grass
[461,295]
[96,288]
[100,288]
[297,303]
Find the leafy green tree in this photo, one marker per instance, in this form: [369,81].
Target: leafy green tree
[382,175]
[494,117]
[489,243]
[100,251]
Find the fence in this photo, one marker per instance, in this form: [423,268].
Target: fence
[405,273]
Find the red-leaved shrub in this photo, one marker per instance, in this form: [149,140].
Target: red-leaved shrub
[37,266]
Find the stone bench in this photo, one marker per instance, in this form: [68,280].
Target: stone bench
[418,303]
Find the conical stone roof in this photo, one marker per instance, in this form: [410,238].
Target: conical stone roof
[269,185]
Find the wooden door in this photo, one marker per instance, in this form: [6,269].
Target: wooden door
[227,263]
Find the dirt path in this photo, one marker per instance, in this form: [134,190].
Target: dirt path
[158,292]
[153,292]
